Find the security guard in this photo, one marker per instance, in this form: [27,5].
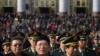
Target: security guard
[96,44]
[32,39]
[61,50]
[83,49]
[52,38]
[71,45]
[6,47]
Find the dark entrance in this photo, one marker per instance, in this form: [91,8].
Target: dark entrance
[44,9]
[8,9]
[80,10]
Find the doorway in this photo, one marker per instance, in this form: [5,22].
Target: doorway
[81,10]
[44,9]
[8,9]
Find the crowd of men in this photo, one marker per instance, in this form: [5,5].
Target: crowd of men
[49,35]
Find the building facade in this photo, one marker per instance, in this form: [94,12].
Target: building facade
[47,6]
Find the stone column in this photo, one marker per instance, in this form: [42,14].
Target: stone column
[96,8]
[63,7]
[20,7]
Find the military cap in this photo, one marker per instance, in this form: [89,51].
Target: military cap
[52,33]
[96,38]
[6,42]
[71,41]
[85,31]
[35,35]
[64,36]
[82,37]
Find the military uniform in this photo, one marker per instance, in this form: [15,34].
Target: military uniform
[6,42]
[22,54]
[85,31]
[52,35]
[84,50]
[59,51]
[48,55]
[29,51]
[96,46]
[4,54]
[71,42]
[54,47]
[33,36]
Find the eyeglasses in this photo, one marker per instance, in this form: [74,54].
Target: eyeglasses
[17,45]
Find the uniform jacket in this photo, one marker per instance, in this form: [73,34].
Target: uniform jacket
[3,53]
[22,54]
[87,52]
[58,52]
[96,49]
[29,51]
[54,47]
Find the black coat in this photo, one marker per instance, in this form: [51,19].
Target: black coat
[12,54]
[3,54]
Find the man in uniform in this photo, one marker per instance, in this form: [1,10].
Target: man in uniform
[61,50]
[6,47]
[52,38]
[32,39]
[86,32]
[71,45]
[83,49]
[96,44]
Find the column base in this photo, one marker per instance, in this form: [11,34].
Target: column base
[20,14]
[96,14]
[62,14]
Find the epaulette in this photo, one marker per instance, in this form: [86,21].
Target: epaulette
[89,49]
[26,49]
[55,50]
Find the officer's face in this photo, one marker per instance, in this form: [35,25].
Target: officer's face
[52,39]
[16,46]
[71,50]
[32,42]
[6,48]
[62,45]
[42,47]
[82,43]
[96,41]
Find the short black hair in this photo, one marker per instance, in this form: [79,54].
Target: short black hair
[43,37]
[16,38]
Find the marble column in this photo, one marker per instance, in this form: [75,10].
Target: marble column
[63,7]
[96,8]
[20,7]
